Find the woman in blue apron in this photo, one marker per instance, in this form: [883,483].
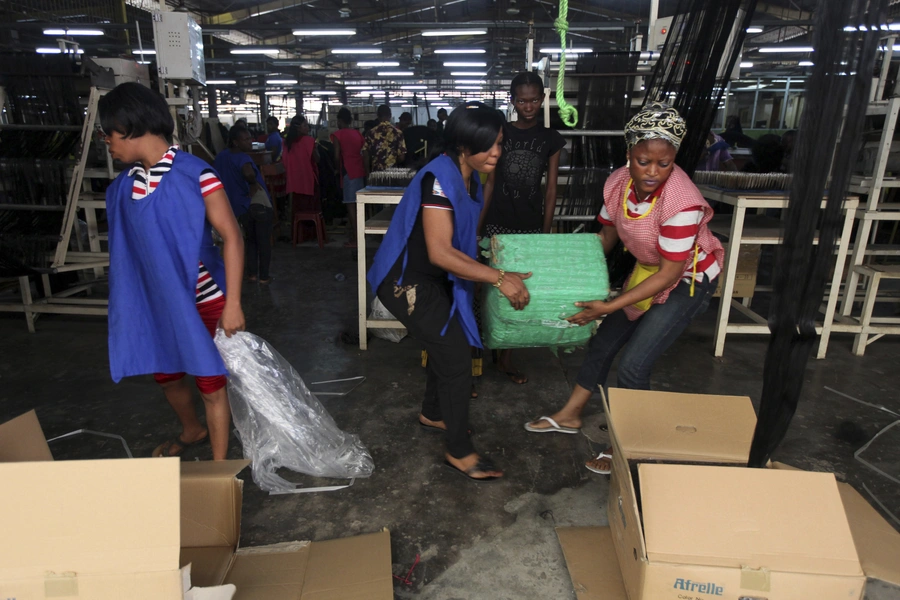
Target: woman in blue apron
[169,287]
[425,273]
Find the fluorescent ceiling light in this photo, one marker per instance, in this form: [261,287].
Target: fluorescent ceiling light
[58,51]
[276,93]
[746,65]
[144,51]
[754,30]
[397,100]
[143,62]
[360,87]
[395,73]
[356,50]
[73,32]
[568,51]
[779,49]
[448,32]
[469,74]
[368,93]
[254,50]
[460,51]
[805,63]
[413,87]
[281,82]
[302,32]
[465,63]
[221,82]
[378,63]
[468,87]
[409,106]
[468,82]
[323,93]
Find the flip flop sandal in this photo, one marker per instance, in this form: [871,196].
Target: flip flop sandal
[604,454]
[483,466]
[554,427]
[514,375]
[163,450]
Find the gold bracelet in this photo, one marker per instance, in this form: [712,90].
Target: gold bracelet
[499,281]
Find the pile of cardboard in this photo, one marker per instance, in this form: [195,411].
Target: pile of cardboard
[688,522]
[156,529]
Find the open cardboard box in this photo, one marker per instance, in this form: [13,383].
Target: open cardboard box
[114,529]
[707,530]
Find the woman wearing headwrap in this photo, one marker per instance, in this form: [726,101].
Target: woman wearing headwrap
[661,218]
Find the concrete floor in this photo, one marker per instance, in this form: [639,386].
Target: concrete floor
[491,541]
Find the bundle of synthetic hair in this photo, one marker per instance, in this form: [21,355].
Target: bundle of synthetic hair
[841,78]
[702,47]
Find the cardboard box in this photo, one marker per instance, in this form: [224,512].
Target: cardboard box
[701,531]
[745,277]
[114,529]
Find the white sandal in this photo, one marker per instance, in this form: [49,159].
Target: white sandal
[604,454]
[554,427]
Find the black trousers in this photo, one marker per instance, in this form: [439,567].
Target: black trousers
[258,247]
[423,309]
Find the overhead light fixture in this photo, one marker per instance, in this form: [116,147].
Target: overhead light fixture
[144,51]
[323,93]
[254,50]
[143,62]
[451,32]
[276,93]
[468,82]
[356,50]
[754,30]
[305,32]
[378,63]
[58,51]
[468,87]
[469,74]
[746,65]
[805,63]
[780,49]
[221,82]
[360,87]
[568,51]
[460,51]
[413,87]
[281,82]
[465,63]
[395,73]
[73,32]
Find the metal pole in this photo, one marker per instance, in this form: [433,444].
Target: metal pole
[654,15]
[784,105]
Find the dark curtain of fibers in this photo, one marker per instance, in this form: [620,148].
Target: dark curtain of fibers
[841,78]
[701,50]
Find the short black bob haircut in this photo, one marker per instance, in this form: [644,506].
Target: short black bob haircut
[235,132]
[134,110]
[345,116]
[472,127]
[272,120]
[526,78]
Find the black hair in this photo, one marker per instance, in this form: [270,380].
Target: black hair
[431,121]
[526,78]
[344,115]
[234,132]
[134,110]
[441,110]
[405,115]
[473,127]
[293,133]
[369,124]
[272,120]
[384,112]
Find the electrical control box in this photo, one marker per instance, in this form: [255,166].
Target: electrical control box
[179,47]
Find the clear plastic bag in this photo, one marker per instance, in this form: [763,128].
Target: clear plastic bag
[280,422]
[380,313]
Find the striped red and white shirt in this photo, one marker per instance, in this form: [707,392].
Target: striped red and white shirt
[676,237]
[146,183]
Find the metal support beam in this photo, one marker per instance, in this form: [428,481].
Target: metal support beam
[259,10]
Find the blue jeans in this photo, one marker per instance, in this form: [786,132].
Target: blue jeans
[350,187]
[644,340]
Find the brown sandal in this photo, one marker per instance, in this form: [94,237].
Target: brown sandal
[165,449]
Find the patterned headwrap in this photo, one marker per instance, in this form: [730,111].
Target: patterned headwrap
[656,121]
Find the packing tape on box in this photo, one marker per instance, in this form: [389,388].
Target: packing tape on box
[61,585]
[758,580]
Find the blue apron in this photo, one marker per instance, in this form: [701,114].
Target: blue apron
[466,211]
[155,247]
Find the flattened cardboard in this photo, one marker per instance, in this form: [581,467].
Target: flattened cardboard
[275,572]
[22,439]
[591,560]
[357,568]
[683,427]
[787,521]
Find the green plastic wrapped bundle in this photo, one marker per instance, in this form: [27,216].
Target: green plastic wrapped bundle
[566,268]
